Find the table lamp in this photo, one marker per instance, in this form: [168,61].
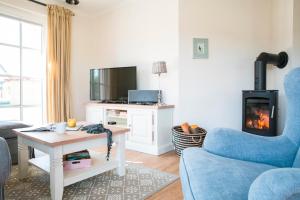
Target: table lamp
[159,67]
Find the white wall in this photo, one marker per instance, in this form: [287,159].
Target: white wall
[211,89]
[137,33]
[282,40]
[82,57]
[25,7]
[205,91]
[296,36]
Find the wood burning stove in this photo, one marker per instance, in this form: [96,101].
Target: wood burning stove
[260,106]
[260,110]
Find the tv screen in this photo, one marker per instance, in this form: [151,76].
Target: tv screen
[112,84]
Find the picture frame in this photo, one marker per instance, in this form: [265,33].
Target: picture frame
[200,48]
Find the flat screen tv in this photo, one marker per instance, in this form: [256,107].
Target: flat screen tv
[112,84]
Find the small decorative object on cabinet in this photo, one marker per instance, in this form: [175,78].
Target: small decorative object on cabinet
[159,68]
[183,140]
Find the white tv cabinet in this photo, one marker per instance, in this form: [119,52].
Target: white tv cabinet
[150,125]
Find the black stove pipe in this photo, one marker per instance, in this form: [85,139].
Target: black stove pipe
[260,74]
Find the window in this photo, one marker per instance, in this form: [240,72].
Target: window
[21,70]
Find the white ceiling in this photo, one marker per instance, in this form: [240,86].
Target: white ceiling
[89,7]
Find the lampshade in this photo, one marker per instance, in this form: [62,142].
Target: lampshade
[159,67]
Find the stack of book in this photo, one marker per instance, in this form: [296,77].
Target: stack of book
[77,160]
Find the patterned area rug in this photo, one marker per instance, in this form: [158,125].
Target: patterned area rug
[138,183]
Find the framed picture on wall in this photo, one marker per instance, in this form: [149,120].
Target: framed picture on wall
[200,48]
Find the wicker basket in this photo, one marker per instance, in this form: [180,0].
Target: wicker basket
[182,141]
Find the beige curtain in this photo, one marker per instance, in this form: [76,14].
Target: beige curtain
[58,59]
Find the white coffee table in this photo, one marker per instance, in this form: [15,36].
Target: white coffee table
[56,145]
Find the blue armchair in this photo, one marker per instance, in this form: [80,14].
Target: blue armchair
[235,165]
[5,165]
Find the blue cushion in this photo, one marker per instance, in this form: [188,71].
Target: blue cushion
[294,197]
[292,91]
[279,151]
[207,176]
[297,160]
[276,184]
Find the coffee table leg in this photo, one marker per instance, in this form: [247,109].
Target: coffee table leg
[23,157]
[56,173]
[121,155]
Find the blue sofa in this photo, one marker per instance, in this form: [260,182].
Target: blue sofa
[235,165]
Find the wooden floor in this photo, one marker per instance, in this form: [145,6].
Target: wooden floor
[168,162]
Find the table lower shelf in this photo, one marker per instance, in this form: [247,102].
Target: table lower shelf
[99,165]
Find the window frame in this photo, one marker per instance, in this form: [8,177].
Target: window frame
[39,22]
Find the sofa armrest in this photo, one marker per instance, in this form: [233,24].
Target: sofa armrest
[6,128]
[278,151]
[276,184]
[5,160]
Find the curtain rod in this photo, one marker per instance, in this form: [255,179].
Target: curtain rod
[37,2]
